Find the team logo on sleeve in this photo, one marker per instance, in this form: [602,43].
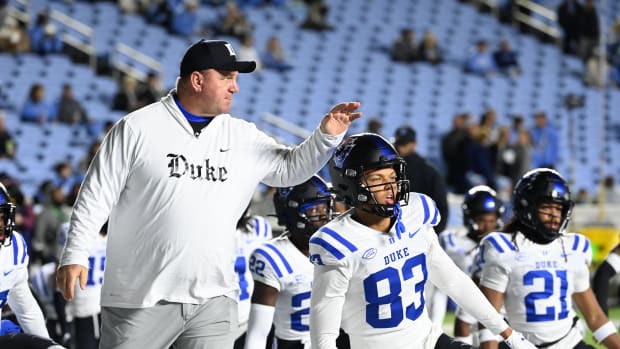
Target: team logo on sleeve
[370,253]
[343,150]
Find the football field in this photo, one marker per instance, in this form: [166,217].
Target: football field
[614,315]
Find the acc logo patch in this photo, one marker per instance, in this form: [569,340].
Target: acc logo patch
[370,253]
[343,150]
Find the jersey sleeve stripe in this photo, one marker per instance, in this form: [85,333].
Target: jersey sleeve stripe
[340,239]
[495,244]
[265,228]
[25,250]
[282,258]
[274,266]
[451,239]
[327,246]
[15,249]
[426,210]
[576,243]
[510,245]
[435,217]
[587,246]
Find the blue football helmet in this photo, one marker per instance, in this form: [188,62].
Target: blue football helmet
[539,186]
[302,209]
[8,215]
[480,200]
[358,154]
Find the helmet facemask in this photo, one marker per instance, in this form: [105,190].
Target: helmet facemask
[7,211]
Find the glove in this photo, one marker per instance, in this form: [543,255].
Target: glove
[517,341]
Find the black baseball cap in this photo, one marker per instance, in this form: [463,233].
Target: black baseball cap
[404,135]
[213,54]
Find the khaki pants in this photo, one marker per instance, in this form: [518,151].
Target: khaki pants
[210,325]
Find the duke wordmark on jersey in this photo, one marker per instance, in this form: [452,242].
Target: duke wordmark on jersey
[179,166]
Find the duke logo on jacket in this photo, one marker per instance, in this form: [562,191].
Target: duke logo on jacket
[179,167]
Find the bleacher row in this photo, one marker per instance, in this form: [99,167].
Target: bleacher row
[350,62]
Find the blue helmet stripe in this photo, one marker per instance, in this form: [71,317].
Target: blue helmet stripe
[284,261]
[339,238]
[274,266]
[328,247]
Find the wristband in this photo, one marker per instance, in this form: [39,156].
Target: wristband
[614,260]
[604,331]
[486,335]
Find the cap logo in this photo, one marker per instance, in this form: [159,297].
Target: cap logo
[230,49]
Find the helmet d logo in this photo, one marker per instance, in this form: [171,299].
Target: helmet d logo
[343,151]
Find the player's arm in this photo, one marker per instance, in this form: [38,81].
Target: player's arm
[261,315]
[22,302]
[603,330]
[328,295]
[496,298]
[605,271]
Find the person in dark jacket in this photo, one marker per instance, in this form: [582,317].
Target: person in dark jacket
[422,176]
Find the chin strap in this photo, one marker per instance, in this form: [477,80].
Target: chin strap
[400,227]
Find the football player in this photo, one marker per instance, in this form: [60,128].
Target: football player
[372,262]
[14,289]
[252,231]
[281,270]
[605,271]
[538,271]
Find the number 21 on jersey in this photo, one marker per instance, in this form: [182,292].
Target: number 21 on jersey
[413,269]
[549,280]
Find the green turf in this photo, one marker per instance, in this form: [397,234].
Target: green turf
[614,315]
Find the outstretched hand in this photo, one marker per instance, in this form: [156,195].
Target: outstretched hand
[339,118]
[66,277]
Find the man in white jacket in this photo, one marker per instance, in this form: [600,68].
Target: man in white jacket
[174,177]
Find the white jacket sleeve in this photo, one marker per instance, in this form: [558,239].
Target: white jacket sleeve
[25,307]
[292,166]
[101,188]
[458,285]
[259,325]
[329,286]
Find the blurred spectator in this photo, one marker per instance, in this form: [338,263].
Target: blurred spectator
[68,109]
[597,70]
[49,42]
[36,30]
[422,176]
[126,98]
[569,13]
[453,150]
[64,178]
[523,150]
[233,22]
[502,153]
[247,52]
[611,190]
[479,158]
[36,108]
[545,141]
[7,143]
[488,125]
[88,158]
[589,29]
[429,50]
[54,212]
[316,15]
[404,48]
[582,197]
[152,91]
[273,57]
[184,20]
[481,61]
[158,12]
[506,59]
[517,126]
[374,125]
[13,36]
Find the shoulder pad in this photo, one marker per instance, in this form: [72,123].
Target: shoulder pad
[427,206]
[499,242]
[19,249]
[273,258]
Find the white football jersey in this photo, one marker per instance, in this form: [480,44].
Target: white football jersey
[460,248]
[381,277]
[42,280]
[249,238]
[538,281]
[87,302]
[14,289]
[281,265]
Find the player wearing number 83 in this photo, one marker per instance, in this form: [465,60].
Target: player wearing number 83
[537,270]
[372,262]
